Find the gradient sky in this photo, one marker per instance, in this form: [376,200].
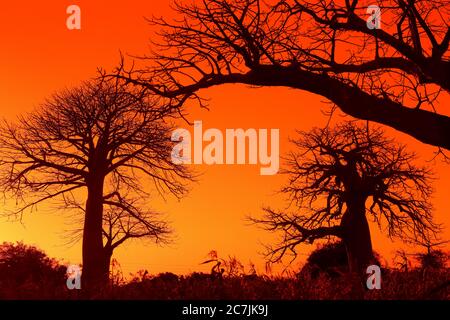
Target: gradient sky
[40,55]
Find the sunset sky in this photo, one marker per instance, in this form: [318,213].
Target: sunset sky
[40,55]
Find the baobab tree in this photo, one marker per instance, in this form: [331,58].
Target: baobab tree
[98,147]
[341,177]
[394,76]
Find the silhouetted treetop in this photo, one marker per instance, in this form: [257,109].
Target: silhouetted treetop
[393,75]
[341,176]
[104,138]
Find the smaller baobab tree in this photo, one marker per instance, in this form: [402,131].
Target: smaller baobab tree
[98,147]
[338,178]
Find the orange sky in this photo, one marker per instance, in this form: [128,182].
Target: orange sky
[39,55]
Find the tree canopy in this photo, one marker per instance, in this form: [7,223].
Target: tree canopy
[348,171]
[395,75]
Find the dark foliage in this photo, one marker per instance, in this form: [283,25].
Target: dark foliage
[26,271]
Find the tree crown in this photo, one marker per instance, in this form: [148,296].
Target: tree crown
[332,167]
[103,133]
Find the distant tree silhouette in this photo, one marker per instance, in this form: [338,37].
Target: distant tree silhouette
[392,75]
[102,142]
[23,266]
[338,178]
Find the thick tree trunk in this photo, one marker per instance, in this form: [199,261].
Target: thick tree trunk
[356,236]
[94,275]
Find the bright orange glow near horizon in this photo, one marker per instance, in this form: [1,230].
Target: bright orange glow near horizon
[40,55]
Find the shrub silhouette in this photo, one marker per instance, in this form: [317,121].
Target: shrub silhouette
[434,259]
[26,270]
[330,259]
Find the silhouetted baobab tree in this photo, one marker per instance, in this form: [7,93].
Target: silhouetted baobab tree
[341,177]
[392,75]
[102,142]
